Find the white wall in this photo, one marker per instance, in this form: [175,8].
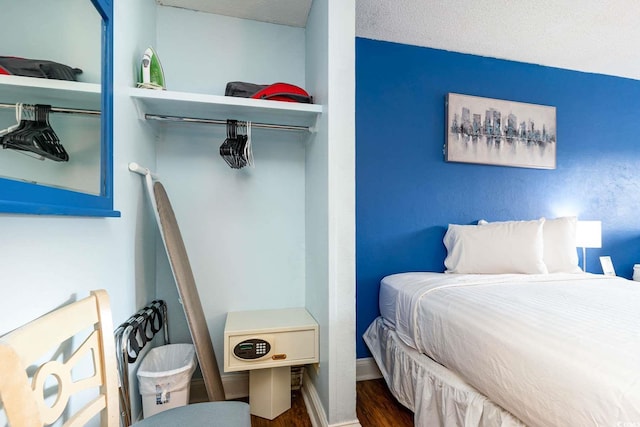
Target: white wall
[49,261]
[341,141]
[317,295]
[590,35]
[331,206]
[133,33]
[201,52]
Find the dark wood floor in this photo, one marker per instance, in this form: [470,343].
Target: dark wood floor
[376,407]
[295,417]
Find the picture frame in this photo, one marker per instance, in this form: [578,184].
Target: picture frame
[499,132]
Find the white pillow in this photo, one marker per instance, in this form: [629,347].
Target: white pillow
[560,254]
[559,244]
[495,248]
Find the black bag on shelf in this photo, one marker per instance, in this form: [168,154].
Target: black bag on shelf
[275,92]
[15,66]
[242,89]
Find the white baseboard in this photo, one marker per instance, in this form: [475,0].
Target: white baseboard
[367,369]
[315,409]
[312,401]
[236,385]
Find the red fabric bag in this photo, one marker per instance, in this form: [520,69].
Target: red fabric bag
[274,92]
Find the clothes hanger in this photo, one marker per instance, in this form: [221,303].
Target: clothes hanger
[225,148]
[237,150]
[12,139]
[248,152]
[229,148]
[240,148]
[46,136]
[36,136]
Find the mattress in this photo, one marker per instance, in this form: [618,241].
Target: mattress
[437,396]
[553,349]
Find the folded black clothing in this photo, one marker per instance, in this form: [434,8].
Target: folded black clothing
[44,69]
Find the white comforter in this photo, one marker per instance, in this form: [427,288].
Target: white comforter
[554,350]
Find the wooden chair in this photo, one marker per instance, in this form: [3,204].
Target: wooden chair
[71,352]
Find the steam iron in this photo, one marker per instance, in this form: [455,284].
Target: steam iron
[151,74]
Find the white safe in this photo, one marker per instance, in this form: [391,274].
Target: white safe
[267,343]
[260,339]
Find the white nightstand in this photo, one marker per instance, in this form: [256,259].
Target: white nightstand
[268,343]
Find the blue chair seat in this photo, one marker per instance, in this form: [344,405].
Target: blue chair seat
[212,414]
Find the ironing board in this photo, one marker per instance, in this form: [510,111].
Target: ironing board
[185,282]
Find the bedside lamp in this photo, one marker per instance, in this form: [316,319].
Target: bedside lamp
[588,235]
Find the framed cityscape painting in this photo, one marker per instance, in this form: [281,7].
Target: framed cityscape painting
[498,132]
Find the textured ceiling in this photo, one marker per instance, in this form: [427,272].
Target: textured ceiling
[601,36]
[285,12]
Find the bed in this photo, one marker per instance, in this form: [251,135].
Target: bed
[546,346]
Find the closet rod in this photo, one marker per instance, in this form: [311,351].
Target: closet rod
[61,110]
[223,122]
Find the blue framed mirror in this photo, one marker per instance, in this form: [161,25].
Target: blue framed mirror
[80,35]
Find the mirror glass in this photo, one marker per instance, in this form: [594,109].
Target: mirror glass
[67,32]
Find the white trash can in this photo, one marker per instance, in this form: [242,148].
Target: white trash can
[164,376]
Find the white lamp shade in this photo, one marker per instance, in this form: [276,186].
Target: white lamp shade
[589,234]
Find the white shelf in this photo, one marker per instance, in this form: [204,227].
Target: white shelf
[216,107]
[58,93]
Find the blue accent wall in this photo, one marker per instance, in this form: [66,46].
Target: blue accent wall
[406,193]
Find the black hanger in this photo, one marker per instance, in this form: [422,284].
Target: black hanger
[232,149]
[47,137]
[36,136]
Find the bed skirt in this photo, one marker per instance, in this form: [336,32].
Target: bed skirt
[437,396]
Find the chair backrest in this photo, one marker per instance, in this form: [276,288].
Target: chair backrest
[67,352]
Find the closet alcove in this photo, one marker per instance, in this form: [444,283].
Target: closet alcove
[280,234]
